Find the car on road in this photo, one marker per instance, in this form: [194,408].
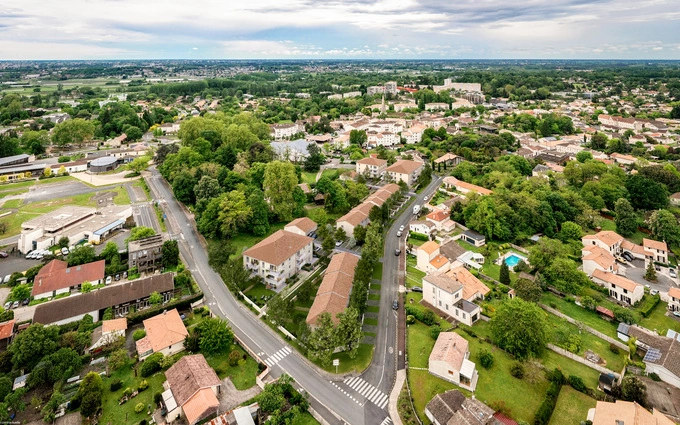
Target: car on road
[627,256]
[108,280]
[653,292]
[425,199]
[16,304]
[676,313]
[338,243]
[3,254]
[401,228]
[648,287]
[64,251]
[395,305]
[399,234]
[397,252]
[417,289]
[672,273]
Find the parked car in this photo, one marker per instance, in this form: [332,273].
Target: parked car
[6,279]
[71,249]
[399,234]
[8,305]
[395,305]
[627,256]
[16,304]
[28,255]
[3,254]
[26,301]
[117,276]
[417,289]
[654,292]
[672,273]
[108,280]
[124,275]
[338,243]
[64,251]
[39,256]
[397,252]
[676,313]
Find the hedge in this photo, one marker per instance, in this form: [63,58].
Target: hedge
[545,410]
[419,236]
[426,316]
[140,316]
[649,302]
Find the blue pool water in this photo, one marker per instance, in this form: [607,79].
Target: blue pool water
[512,260]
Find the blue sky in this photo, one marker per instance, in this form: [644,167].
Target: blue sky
[303,29]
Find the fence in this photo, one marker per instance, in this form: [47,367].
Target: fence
[249,301]
[581,360]
[588,329]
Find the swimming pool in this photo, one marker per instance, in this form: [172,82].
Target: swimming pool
[512,259]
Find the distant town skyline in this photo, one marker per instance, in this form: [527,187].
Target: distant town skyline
[341,29]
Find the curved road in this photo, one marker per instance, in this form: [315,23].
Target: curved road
[355,400]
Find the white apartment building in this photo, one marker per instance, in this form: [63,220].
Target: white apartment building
[405,170]
[391,87]
[370,167]
[279,257]
[282,131]
[371,90]
[446,294]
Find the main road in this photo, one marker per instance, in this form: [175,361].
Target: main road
[357,400]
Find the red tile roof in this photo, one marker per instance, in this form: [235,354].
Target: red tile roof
[58,276]
[6,329]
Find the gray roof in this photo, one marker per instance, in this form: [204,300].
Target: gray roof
[474,235]
[103,161]
[299,145]
[623,328]
[451,250]
[12,158]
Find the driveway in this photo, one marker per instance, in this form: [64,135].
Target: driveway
[637,274]
[15,263]
[663,397]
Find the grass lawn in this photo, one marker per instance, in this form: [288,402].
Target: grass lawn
[257,292]
[658,321]
[572,407]
[243,376]
[414,277]
[414,242]
[372,309]
[305,419]
[424,386]
[587,317]
[122,197]
[552,360]
[245,241]
[588,342]
[371,322]
[12,203]
[308,177]
[125,413]
[357,364]
[374,297]
[375,286]
[330,173]
[378,271]
[12,192]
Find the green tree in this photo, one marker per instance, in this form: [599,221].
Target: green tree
[5,387]
[664,226]
[90,394]
[328,242]
[82,255]
[31,345]
[279,309]
[215,335]
[315,158]
[571,232]
[259,219]
[155,298]
[528,290]
[504,277]
[584,156]
[73,132]
[234,213]
[183,184]
[340,234]
[626,220]
[373,245]
[110,252]
[520,328]
[49,411]
[322,342]
[86,287]
[207,188]
[348,332]
[633,389]
[280,180]
[545,252]
[650,273]
[170,253]
[646,194]
[118,359]
[139,164]
[359,234]
[20,292]
[140,232]
[358,137]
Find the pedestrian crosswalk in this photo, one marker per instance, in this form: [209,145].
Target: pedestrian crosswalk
[278,356]
[387,421]
[367,391]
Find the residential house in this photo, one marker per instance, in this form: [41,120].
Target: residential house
[625,413]
[674,299]
[451,182]
[165,333]
[303,226]
[429,258]
[107,333]
[453,408]
[122,298]
[423,227]
[456,253]
[473,238]
[279,257]
[623,159]
[620,288]
[655,250]
[146,254]
[446,295]
[662,354]
[333,294]
[282,131]
[359,214]
[57,278]
[6,333]
[541,170]
[596,258]
[449,360]
[675,199]
[372,168]
[193,387]
[449,159]
[405,170]
[606,239]
[441,220]
[437,106]
[473,288]
[172,127]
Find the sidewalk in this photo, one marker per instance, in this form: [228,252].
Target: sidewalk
[394,396]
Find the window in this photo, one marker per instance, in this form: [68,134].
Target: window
[450,372]
[464,316]
[440,303]
[447,306]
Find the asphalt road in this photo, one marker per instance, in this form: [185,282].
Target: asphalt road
[358,400]
[145,215]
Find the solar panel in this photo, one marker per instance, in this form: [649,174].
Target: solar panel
[652,355]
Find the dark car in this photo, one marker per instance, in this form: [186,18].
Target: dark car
[395,305]
[397,252]
[118,276]
[26,301]
[627,256]
[417,289]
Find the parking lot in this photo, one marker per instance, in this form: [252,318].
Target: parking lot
[663,280]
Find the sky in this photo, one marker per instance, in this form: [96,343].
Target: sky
[340,29]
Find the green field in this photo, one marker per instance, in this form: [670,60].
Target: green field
[572,407]
[587,317]
[245,241]
[658,321]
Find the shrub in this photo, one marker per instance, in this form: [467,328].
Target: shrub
[485,358]
[654,377]
[139,334]
[157,398]
[127,392]
[410,319]
[577,383]
[614,348]
[143,385]
[116,384]
[234,357]
[426,316]
[152,364]
[649,302]
[517,370]
[545,410]
[419,236]
[435,331]
[553,305]
[63,159]
[139,407]
[143,422]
